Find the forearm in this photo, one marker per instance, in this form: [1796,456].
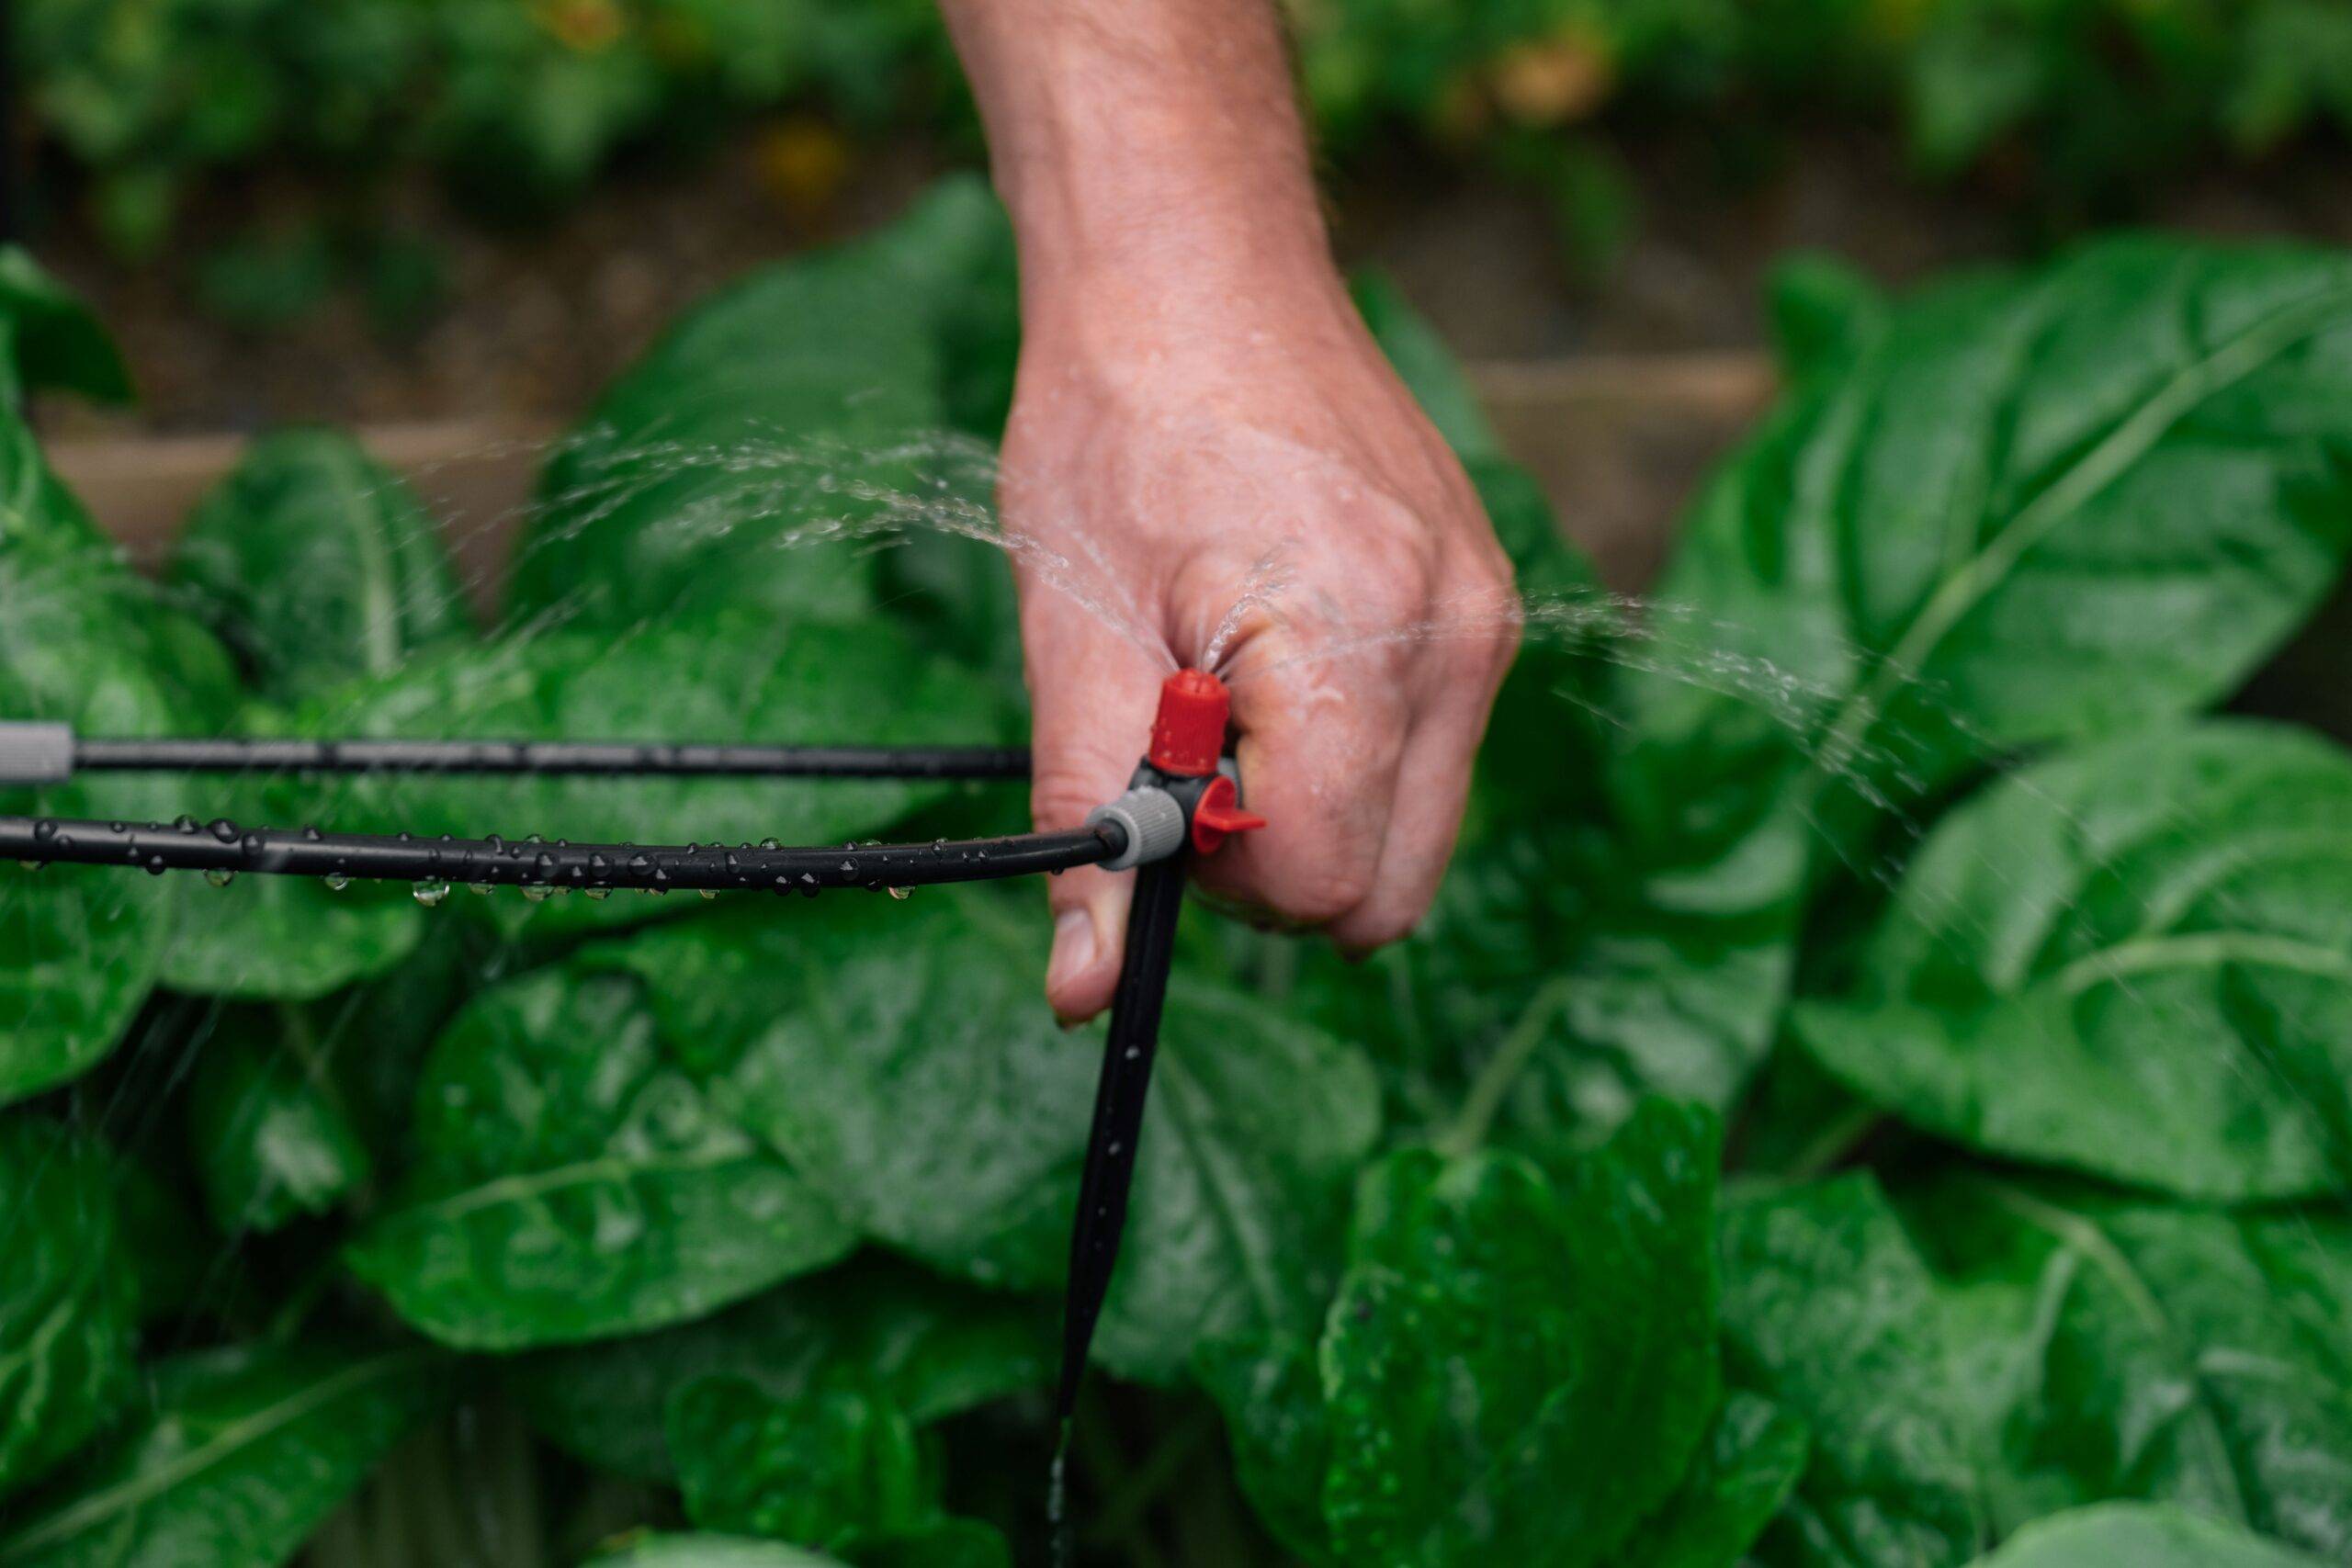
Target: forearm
[1148,150]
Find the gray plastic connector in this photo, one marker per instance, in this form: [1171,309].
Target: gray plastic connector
[36,753]
[1154,824]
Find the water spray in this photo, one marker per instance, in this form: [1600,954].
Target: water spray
[1183,800]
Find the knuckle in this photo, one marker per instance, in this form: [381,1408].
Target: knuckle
[1320,896]
[1059,798]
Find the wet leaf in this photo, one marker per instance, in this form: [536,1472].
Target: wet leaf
[901,1056]
[2133,960]
[573,1183]
[78,952]
[240,1455]
[810,1468]
[267,1125]
[2143,1537]
[2229,1324]
[1829,1312]
[1513,1370]
[316,564]
[739,460]
[1737,1481]
[931,1347]
[2035,507]
[68,1296]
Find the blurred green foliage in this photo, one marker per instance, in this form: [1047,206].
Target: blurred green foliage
[522,103]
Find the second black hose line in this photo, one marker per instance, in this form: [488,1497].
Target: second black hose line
[573,757]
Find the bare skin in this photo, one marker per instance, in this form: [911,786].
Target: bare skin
[1200,407]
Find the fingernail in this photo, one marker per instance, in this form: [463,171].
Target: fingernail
[1073,948]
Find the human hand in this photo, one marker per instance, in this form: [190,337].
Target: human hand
[1241,482]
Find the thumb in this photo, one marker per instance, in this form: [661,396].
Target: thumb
[1092,694]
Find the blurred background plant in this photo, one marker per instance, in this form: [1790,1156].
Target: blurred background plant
[2070,109]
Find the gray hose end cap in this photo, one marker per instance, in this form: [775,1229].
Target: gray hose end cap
[1154,824]
[36,753]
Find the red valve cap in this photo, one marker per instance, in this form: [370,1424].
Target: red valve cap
[1219,814]
[1188,733]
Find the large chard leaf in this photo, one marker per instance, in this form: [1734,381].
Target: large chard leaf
[2133,960]
[243,1452]
[1736,1482]
[708,1552]
[900,1056]
[316,564]
[68,1296]
[2178,1355]
[805,406]
[1512,1372]
[928,1345]
[573,1183]
[2022,509]
[285,938]
[266,1127]
[2143,1537]
[1828,1312]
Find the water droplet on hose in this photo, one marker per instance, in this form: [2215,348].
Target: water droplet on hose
[224,829]
[902,892]
[44,831]
[598,894]
[484,889]
[220,877]
[155,866]
[537,892]
[431,893]
[336,882]
[771,844]
[311,832]
[185,823]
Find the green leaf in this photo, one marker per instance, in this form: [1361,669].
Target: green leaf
[267,1125]
[52,338]
[931,1347]
[1582,1319]
[1823,312]
[68,1296]
[1513,1370]
[1829,1312]
[2143,1537]
[2131,960]
[708,1552]
[79,948]
[2036,507]
[1737,1481]
[798,409]
[901,1056]
[573,1183]
[317,564]
[2229,1326]
[287,938]
[834,1458]
[243,1451]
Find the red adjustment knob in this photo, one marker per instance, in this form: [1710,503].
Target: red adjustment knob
[1188,734]
[1218,814]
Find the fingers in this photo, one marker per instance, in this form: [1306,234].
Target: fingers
[1424,818]
[1321,740]
[1092,693]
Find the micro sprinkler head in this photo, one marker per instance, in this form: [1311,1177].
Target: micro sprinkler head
[1184,793]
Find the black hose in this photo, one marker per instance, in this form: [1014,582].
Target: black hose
[223,846]
[546,757]
[1119,1095]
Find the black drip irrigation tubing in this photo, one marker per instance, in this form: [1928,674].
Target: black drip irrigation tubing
[224,846]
